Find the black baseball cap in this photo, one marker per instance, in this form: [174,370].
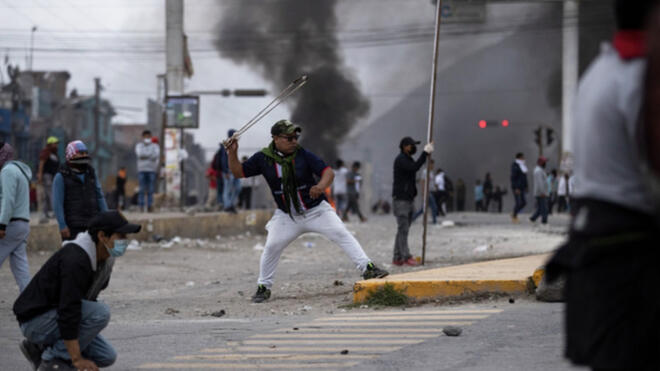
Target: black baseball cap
[284,127]
[113,220]
[407,141]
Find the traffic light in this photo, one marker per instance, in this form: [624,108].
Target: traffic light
[505,123]
[537,136]
[550,136]
[483,124]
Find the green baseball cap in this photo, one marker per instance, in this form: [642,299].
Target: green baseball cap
[52,140]
[284,127]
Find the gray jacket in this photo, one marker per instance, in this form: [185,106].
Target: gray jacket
[540,182]
[147,156]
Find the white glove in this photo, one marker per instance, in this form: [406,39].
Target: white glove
[428,148]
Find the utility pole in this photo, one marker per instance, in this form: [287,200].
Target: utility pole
[97,112]
[34,29]
[570,58]
[174,67]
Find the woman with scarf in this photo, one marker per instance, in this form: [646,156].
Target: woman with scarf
[77,194]
[302,207]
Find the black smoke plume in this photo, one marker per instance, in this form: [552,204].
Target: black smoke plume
[284,39]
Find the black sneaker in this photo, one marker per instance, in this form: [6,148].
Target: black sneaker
[373,271]
[261,295]
[32,352]
[56,364]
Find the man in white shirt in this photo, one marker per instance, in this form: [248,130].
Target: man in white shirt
[339,187]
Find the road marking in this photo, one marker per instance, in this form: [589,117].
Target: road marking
[235,366]
[402,318]
[326,329]
[375,349]
[340,336]
[318,344]
[332,341]
[422,312]
[378,323]
[285,356]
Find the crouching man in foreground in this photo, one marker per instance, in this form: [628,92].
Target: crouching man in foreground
[61,326]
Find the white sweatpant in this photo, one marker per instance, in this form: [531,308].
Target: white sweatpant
[321,219]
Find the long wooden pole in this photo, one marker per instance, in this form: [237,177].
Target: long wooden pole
[434,74]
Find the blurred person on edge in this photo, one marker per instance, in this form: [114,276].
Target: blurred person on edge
[49,163]
[339,187]
[404,191]
[58,312]
[541,192]
[518,185]
[612,313]
[231,185]
[77,194]
[148,157]
[14,214]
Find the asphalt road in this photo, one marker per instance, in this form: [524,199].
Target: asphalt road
[497,335]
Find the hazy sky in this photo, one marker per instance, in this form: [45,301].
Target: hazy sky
[122,42]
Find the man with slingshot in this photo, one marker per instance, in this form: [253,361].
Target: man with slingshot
[302,207]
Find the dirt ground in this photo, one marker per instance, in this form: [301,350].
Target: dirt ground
[189,279]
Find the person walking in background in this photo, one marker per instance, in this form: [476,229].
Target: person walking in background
[231,185]
[461,191]
[540,192]
[563,193]
[49,163]
[247,185]
[121,188]
[450,194]
[518,184]
[497,197]
[432,194]
[14,214]
[479,196]
[353,183]
[339,187]
[148,155]
[77,194]
[216,165]
[441,193]
[552,188]
[212,197]
[403,195]
[488,191]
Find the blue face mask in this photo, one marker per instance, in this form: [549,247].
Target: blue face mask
[119,248]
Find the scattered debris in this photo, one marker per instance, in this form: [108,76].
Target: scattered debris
[306,308]
[171,311]
[483,248]
[241,293]
[219,313]
[157,238]
[134,245]
[258,247]
[364,306]
[345,351]
[452,331]
[296,329]
[338,283]
[448,223]
[273,346]
[512,300]
[190,283]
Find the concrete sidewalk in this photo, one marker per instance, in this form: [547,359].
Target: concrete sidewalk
[511,276]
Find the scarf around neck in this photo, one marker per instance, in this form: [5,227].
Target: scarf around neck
[289,186]
[522,165]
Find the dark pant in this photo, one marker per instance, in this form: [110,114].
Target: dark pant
[245,198]
[353,205]
[479,205]
[403,211]
[541,210]
[520,201]
[219,181]
[434,209]
[562,204]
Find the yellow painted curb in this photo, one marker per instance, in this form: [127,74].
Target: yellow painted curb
[434,289]
[538,276]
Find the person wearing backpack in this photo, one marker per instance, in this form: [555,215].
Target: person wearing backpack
[14,214]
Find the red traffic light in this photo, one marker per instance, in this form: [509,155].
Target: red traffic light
[482,124]
[505,123]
